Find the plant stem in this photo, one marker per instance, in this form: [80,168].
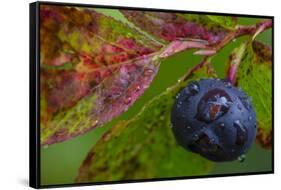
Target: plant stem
[242,31]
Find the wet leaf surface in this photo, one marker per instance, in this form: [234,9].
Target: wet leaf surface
[144,146]
[92,69]
[254,76]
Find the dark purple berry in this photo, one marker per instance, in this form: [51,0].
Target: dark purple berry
[213,118]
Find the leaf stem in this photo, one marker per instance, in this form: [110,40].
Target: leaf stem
[253,30]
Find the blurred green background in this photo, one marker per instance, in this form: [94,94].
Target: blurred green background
[60,162]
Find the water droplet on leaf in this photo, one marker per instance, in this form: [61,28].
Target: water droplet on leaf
[148,72]
[127,100]
[138,88]
[242,158]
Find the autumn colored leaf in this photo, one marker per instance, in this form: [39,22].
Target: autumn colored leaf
[93,68]
[251,66]
[172,26]
[144,146]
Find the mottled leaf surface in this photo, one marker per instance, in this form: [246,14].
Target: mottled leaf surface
[254,76]
[228,22]
[144,147]
[170,26]
[92,69]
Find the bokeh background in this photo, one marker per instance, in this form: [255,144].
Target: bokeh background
[60,162]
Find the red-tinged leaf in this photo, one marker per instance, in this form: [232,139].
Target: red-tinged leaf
[92,69]
[172,26]
[180,45]
[144,147]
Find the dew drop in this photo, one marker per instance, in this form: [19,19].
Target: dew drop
[250,118]
[138,88]
[195,137]
[234,40]
[222,126]
[241,133]
[188,127]
[227,84]
[45,146]
[237,123]
[148,72]
[213,105]
[246,102]
[95,122]
[127,100]
[242,158]
[171,125]
[194,88]
[179,80]
[212,141]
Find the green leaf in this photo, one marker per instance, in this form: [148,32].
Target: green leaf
[254,76]
[224,21]
[144,146]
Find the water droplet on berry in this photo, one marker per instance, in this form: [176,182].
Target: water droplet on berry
[246,102]
[227,84]
[222,126]
[250,118]
[195,137]
[241,133]
[242,158]
[213,105]
[212,141]
[193,88]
